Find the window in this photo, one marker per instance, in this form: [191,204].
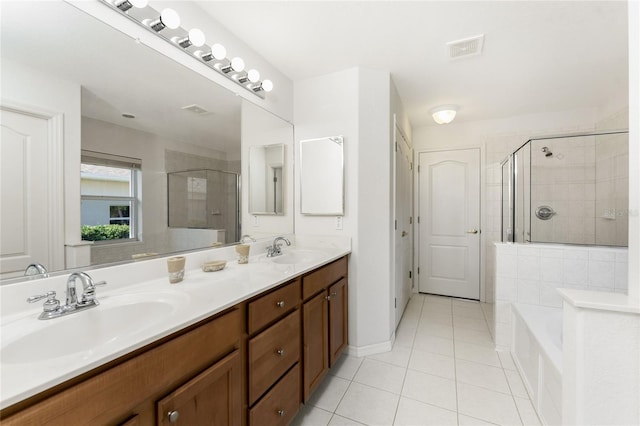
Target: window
[110,197]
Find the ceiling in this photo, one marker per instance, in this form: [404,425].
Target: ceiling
[538,55]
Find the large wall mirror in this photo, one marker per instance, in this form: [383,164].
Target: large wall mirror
[322,176]
[131,118]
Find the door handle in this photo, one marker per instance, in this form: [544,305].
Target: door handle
[472,231]
[405,233]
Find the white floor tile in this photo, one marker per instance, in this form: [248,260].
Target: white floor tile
[527,412]
[435,329]
[436,317]
[399,356]
[506,360]
[470,421]
[470,323]
[515,383]
[471,312]
[368,405]
[476,353]
[430,389]
[381,375]
[312,416]
[405,335]
[430,363]
[411,413]
[346,367]
[494,407]
[337,420]
[432,298]
[328,395]
[473,336]
[481,375]
[433,344]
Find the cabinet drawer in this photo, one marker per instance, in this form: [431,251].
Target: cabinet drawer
[280,404]
[270,307]
[323,277]
[272,352]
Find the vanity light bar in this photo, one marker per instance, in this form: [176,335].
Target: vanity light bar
[166,25]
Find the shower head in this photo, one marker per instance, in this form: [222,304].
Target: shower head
[546,151]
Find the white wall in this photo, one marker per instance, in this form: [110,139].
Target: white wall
[258,128]
[355,103]
[634,152]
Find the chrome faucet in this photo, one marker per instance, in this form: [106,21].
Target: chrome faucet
[52,308]
[36,269]
[276,248]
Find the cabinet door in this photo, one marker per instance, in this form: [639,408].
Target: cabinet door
[337,320]
[315,342]
[211,398]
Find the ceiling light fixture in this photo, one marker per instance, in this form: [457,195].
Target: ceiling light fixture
[125,5]
[195,38]
[166,25]
[444,114]
[169,18]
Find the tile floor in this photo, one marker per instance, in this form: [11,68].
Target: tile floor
[443,370]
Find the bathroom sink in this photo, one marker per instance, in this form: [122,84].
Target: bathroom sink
[298,256]
[83,333]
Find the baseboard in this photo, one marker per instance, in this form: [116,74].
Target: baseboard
[378,348]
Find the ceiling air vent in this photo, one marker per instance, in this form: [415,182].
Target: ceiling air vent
[466,47]
[196,109]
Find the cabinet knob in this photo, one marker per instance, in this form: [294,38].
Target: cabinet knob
[173,416]
[328,297]
[281,413]
[280,352]
[334,294]
[280,304]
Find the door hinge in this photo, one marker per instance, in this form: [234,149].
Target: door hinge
[409,274]
[418,270]
[418,168]
[418,219]
[396,146]
[395,303]
[395,226]
[410,220]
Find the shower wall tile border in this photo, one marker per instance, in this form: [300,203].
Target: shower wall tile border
[531,274]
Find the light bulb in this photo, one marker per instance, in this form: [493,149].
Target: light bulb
[267,85]
[237,64]
[170,18]
[139,3]
[253,76]
[196,37]
[218,51]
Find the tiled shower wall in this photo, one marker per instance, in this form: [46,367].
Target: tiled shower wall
[531,273]
[498,147]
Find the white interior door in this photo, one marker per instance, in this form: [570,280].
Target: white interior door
[24,207]
[403,235]
[449,206]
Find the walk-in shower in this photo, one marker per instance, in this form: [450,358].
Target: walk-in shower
[571,188]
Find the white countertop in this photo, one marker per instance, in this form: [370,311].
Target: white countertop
[198,296]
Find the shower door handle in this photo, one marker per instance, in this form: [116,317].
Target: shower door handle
[472,231]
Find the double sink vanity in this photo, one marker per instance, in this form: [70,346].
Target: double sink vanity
[245,345]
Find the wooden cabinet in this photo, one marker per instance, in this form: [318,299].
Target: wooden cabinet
[324,322]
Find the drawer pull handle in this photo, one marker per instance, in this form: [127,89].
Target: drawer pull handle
[280,304]
[281,413]
[173,416]
[280,352]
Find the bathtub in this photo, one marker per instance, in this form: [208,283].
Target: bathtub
[537,353]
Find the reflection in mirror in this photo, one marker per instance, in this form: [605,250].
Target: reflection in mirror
[116,99]
[266,173]
[322,176]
